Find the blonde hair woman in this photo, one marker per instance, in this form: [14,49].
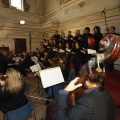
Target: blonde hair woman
[12,92]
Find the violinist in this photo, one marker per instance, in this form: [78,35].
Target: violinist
[3,63]
[45,58]
[25,63]
[96,104]
[14,53]
[38,54]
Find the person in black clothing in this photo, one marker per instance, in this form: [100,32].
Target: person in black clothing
[77,57]
[38,54]
[111,30]
[50,45]
[12,91]
[96,104]
[45,58]
[78,38]
[56,36]
[97,36]
[3,63]
[70,37]
[26,63]
[86,34]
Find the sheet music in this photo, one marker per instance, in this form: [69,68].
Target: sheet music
[35,68]
[16,58]
[61,51]
[90,51]
[51,77]
[68,50]
[34,59]
[55,50]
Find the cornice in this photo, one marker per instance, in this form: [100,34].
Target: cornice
[16,12]
[49,25]
[68,4]
[84,23]
[76,2]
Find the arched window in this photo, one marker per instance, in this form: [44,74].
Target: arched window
[18,4]
[22,5]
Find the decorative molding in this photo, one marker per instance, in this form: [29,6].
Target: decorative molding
[80,12]
[111,18]
[49,25]
[67,5]
[81,4]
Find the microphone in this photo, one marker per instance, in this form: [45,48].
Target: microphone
[103,11]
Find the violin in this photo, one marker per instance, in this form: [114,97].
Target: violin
[11,54]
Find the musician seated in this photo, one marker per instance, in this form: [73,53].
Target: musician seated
[26,63]
[96,104]
[3,63]
[4,52]
[38,54]
[12,92]
[45,58]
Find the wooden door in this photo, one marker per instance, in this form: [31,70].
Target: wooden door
[20,44]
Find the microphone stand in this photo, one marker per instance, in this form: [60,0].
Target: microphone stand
[105,18]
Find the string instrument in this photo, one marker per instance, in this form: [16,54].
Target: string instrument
[11,54]
[17,53]
[45,57]
[79,92]
[109,52]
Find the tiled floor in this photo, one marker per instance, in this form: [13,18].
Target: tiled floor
[38,105]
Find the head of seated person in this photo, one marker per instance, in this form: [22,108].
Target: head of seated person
[12,82]
[97,80]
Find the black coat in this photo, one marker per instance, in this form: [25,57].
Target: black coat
[85,37]
[97,104]
[3,64]
[97,37]
[12,101]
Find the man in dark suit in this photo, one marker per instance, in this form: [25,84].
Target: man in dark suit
[96,104]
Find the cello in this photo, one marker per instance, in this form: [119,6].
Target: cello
[109,52]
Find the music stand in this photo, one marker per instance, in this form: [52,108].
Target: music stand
[51,77]
[38,89]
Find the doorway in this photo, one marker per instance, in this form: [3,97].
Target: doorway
[20,44]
